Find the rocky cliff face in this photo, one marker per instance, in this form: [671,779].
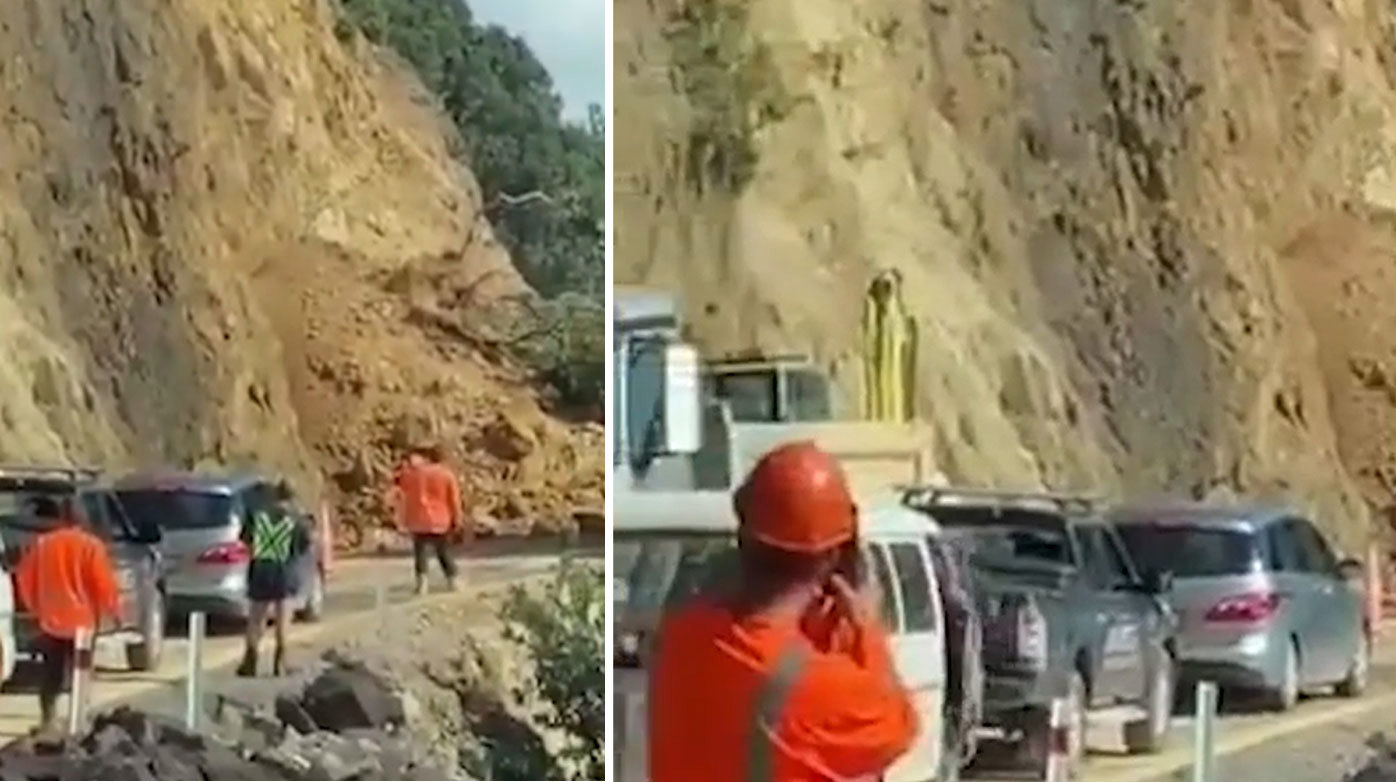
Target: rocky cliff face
[1149,243]
[229,237]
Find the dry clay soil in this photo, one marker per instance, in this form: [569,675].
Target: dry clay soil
[229,237]
[1148,244]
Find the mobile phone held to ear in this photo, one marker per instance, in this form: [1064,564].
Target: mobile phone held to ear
[851,565]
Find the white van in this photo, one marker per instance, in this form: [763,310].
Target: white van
[664,542]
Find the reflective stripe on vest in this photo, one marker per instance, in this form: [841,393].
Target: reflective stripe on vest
[271,537]
[770,704]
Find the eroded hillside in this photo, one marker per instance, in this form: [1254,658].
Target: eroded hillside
[1150,244]
[228,236]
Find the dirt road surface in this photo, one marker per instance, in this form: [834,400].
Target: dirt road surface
[351,598]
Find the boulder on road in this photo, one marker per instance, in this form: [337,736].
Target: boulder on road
[351,696]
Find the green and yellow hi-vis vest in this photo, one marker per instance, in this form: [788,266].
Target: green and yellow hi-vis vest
[272,535]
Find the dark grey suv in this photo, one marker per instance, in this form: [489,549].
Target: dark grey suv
[134,549]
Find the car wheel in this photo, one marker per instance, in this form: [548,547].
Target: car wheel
[144,655]
[1355,683]
[1147,735]
[1286,694]
[314,607]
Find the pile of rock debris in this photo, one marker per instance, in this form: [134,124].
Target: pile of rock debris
[347,723]
[1381,767]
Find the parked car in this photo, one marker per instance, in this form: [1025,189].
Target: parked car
[1264,603]
[1065,615]
[202,517]
[134,550]
[669,546]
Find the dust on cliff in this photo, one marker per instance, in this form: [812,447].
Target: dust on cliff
[1148,243]
[229,237]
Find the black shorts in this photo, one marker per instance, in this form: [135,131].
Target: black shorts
[269,582]
[56,658]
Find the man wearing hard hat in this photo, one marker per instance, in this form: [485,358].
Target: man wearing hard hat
[784,674]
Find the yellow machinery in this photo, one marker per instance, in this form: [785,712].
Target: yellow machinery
[889,351]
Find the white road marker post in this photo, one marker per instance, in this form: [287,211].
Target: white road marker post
[1204,734]
[1059,742]
[80,669]
[194,671]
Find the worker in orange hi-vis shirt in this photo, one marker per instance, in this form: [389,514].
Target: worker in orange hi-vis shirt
[785,675]
[65,579]
[428,499]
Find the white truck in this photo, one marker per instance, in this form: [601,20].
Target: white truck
[686,432]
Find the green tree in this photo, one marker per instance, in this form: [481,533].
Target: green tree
[543,178]
[563,629]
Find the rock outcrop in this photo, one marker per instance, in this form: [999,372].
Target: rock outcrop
[1148,244]
[230,236]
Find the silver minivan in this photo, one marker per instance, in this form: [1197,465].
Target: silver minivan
[1264,604]
[201,517]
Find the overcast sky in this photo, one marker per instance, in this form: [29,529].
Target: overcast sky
[568,36]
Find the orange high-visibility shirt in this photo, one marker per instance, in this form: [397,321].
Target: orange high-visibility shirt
[710,682]
[430,498]
[66,580]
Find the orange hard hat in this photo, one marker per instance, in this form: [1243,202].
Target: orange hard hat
[796,499]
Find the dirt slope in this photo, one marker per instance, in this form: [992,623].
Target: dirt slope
[228,237]
[1149,243]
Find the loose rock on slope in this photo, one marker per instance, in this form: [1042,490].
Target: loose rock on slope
[207,212]
[1144,240]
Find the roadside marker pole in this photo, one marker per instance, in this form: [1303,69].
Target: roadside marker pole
[194,672]
[1059,743]
[1204,733]
[81,668]
[1375,600]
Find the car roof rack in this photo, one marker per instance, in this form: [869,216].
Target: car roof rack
[931,496]
[49,472]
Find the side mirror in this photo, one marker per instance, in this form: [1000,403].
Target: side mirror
[1158,582]
[1350,569]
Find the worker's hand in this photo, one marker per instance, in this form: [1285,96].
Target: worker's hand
[860,606]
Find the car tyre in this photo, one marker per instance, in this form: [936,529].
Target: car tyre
[1286,695]
[1355,683]
[314,607]
[144,655]
[1147,735]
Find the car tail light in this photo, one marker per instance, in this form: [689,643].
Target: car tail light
[1248,608]
[225,554]
[1032,635]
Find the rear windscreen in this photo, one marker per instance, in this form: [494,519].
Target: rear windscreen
[1007,534]
[177,510]
[1190,551]
[17,511]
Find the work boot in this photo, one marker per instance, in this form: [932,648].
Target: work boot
[49,726]
[248,668]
